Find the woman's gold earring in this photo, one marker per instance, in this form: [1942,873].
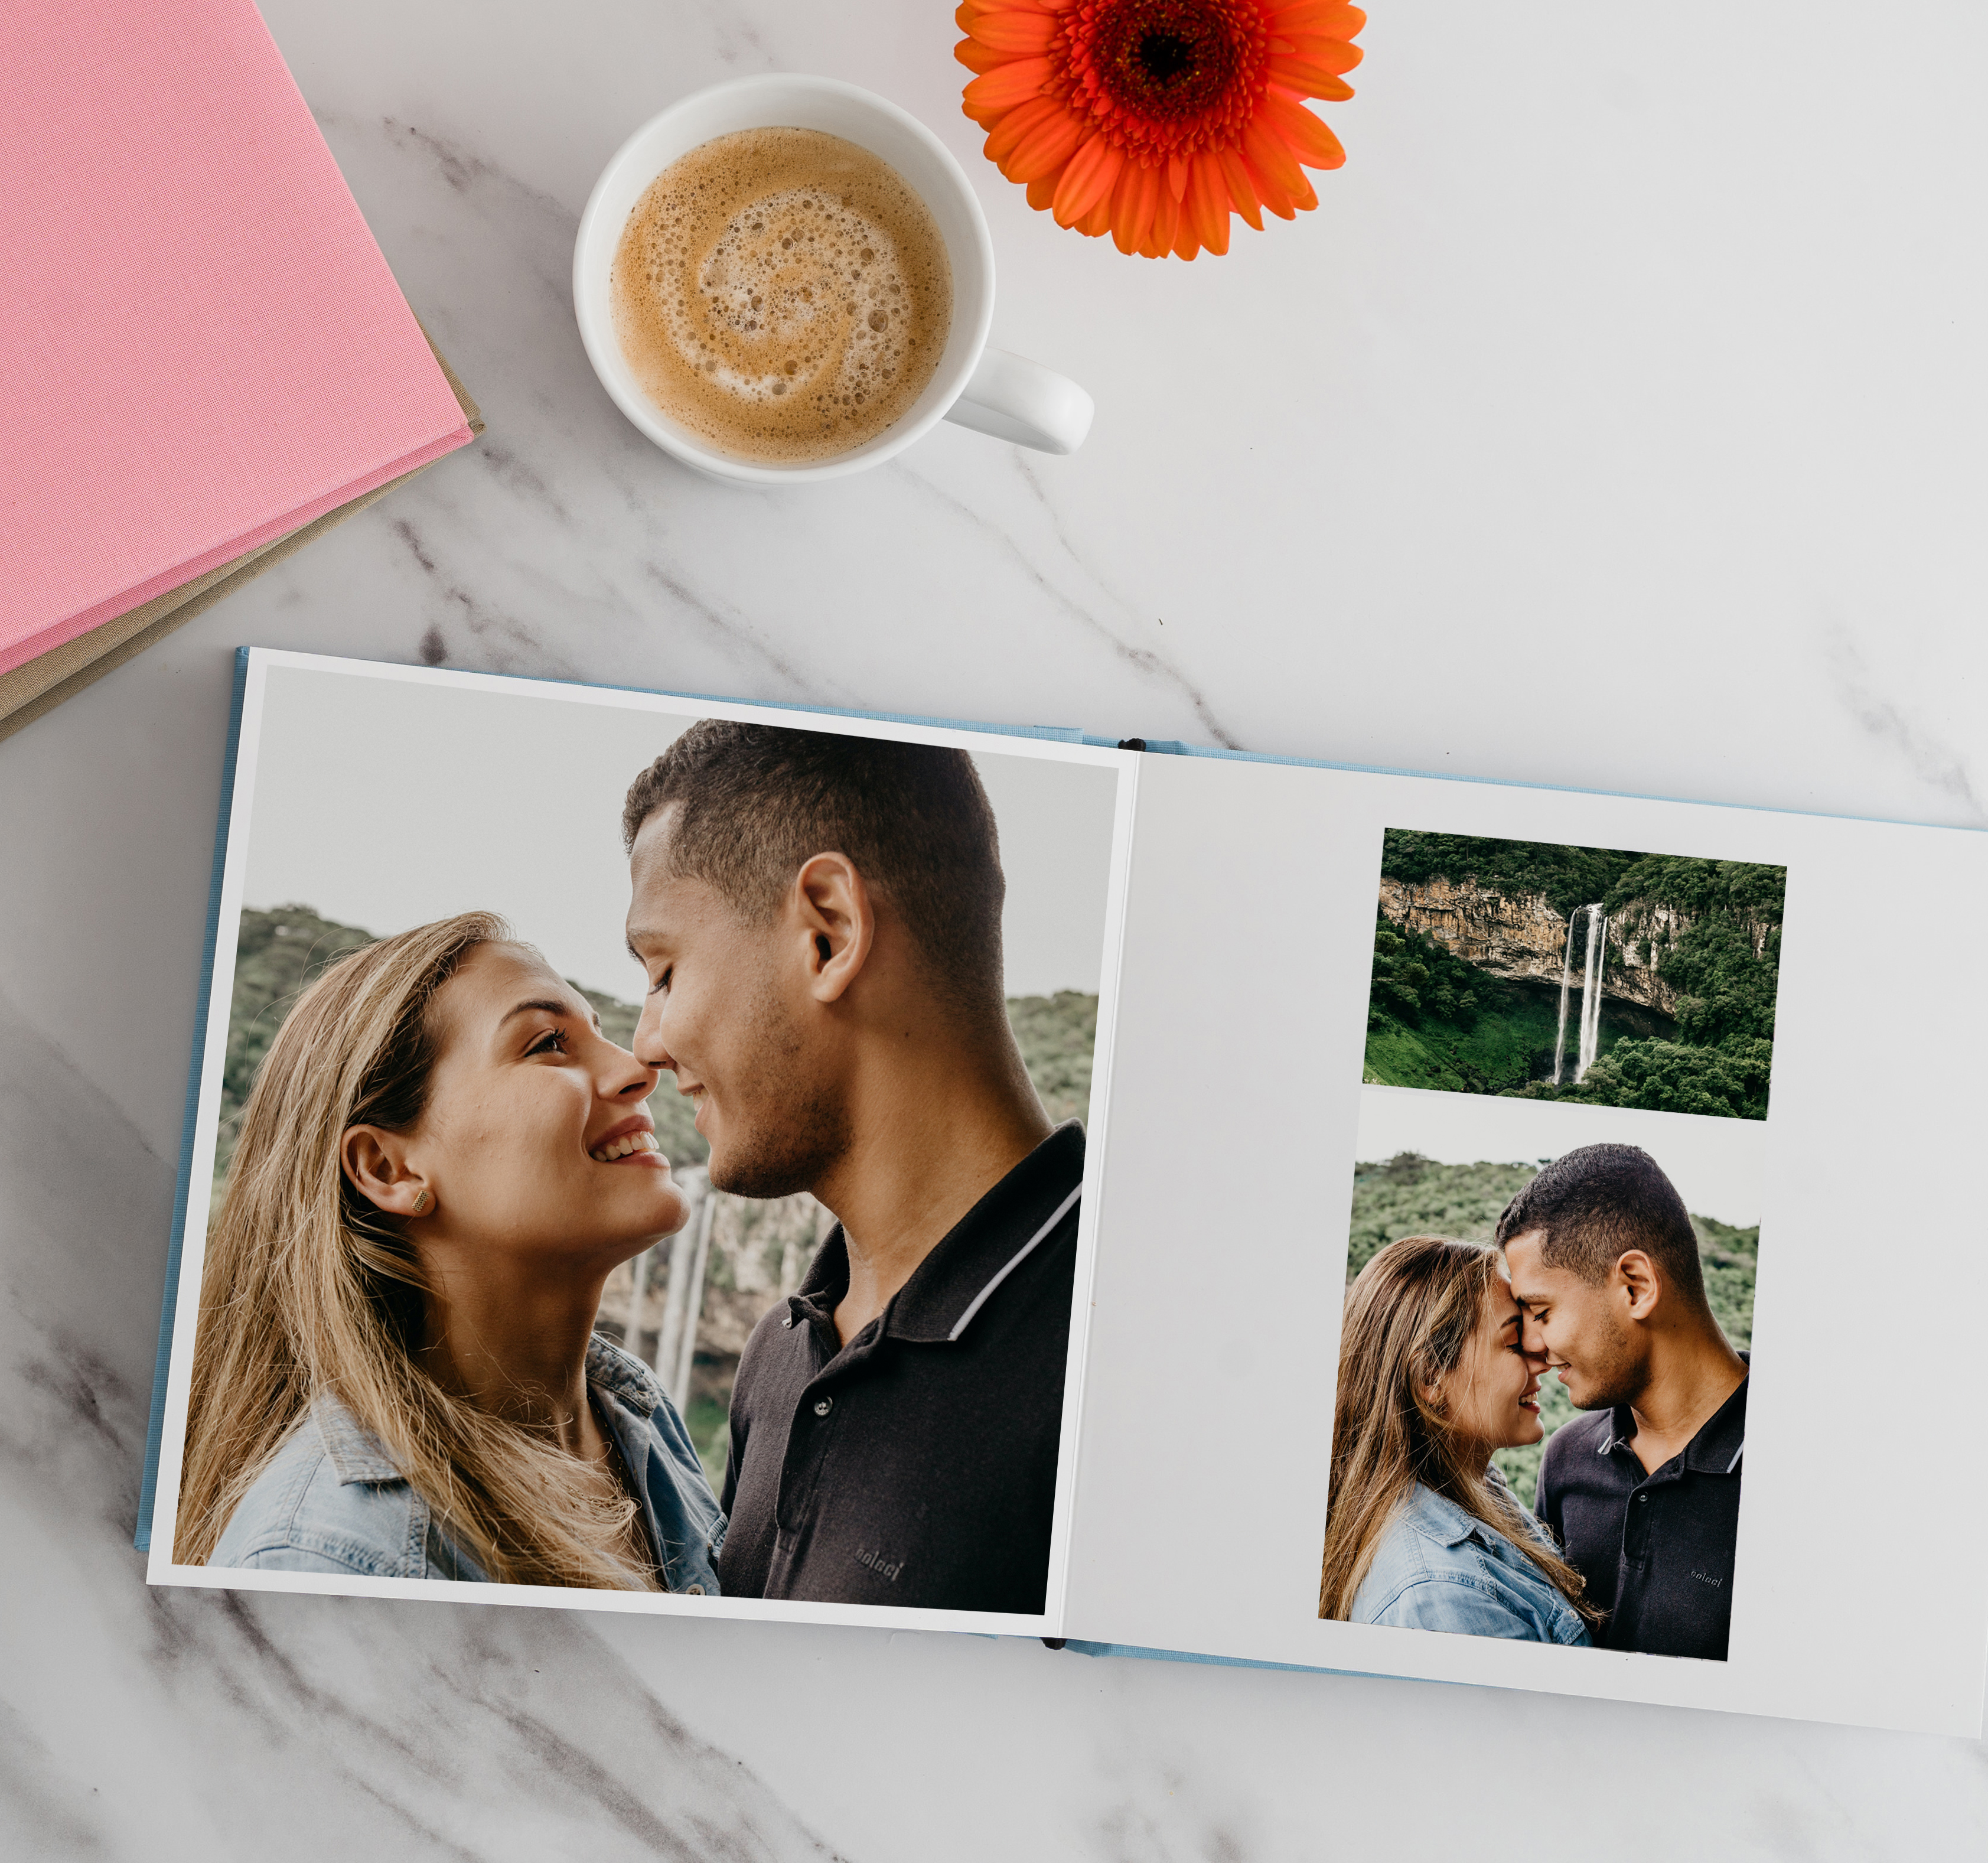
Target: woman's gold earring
[422,1202]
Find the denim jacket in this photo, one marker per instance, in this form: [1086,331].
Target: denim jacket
[330,1500]
[1439,1568]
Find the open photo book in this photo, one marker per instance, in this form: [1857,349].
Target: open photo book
[663,1153]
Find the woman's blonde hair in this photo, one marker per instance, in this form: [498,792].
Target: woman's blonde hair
[1409,1317]
[310,1290]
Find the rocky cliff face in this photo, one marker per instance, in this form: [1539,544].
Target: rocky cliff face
[1525,938]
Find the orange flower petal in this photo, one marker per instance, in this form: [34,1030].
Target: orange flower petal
[1011,84]
[1271,161]
[989,119]
[1243,195]
[1133,197]
[1005,137]
[1098,221]
[1335,54]
[1045,148]
[976,57]
[1087,177]
[1327,17]
[1302,75]
[1206,205]
[1041,192]
[1029,33]
[1177,175]
[1159,238]
[1310,140]
[981,9]
[1272,196]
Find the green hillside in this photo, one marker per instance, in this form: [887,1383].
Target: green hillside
[278,953]
[1567,877]
[1056,1035]
[1411,1195]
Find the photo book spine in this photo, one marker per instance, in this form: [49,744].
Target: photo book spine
[147,1492]
[1085,1649]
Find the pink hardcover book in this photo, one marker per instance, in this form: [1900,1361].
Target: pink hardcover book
[201,348]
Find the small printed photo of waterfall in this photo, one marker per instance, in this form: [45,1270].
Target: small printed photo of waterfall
[1590,975]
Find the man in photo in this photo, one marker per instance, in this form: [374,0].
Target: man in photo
[1643,1495]
[819,919]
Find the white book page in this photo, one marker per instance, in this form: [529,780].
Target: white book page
[1237,1103]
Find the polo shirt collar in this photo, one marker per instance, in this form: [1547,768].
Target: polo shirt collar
[970,1262]
[1717,1447]
[1714,1450]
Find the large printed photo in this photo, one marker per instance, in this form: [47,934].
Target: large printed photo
[648,1155]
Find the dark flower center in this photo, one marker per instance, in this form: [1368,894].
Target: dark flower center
[1165,56]
[1168,58]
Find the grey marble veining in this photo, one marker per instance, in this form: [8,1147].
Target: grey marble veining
[1611,423]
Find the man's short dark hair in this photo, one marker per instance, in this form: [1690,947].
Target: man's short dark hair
[754,802]
[1594,1204]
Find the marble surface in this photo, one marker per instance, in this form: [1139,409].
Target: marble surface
[1615,422]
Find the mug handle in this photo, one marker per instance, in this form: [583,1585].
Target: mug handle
[1015,399]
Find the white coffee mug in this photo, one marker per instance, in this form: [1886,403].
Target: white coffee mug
[988,390]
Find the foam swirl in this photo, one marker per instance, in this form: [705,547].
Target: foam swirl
[782,293]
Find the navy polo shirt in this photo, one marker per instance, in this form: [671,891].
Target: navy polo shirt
[917,1464]
[1656,1549]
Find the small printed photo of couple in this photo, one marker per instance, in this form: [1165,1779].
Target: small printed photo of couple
[650,1153]
[1540,1414]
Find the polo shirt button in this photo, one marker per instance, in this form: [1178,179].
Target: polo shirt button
[788,1320]
[823,1406]
[693,1591]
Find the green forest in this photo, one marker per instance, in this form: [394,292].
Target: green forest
[278,953]
[1436,1021]
[1411,1195]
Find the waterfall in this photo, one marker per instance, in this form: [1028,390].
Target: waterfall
[1566,978]
[1590,991]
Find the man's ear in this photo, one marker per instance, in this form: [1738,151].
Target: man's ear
[375,1163]
[838,919]
[1636,1275]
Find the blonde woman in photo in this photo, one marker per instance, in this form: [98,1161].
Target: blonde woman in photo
[395,1374]
[1423,1533]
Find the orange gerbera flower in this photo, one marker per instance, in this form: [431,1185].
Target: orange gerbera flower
[1154,120]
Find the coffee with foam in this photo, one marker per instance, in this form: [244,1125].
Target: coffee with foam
[783,294]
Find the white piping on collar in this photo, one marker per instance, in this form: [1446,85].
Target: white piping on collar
[1014,1261]
[1736,1454]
